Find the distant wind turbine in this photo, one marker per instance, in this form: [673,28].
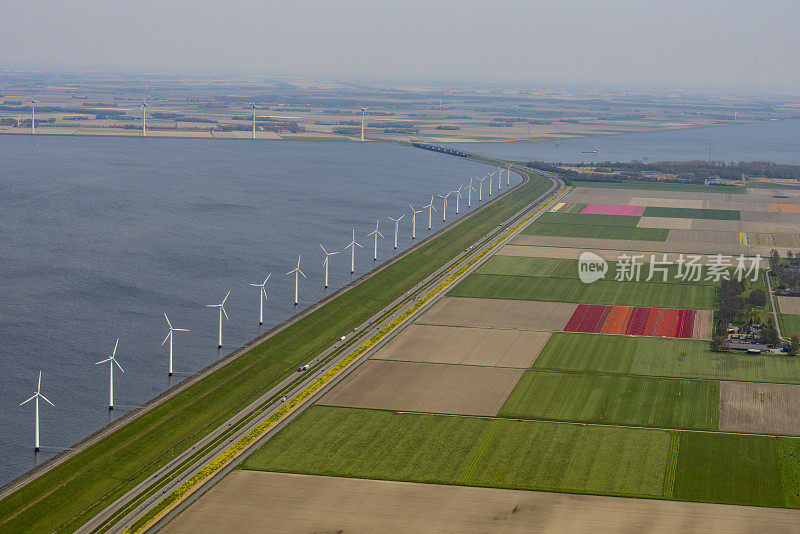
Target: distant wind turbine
[480,190]
[112,361]
[414,221]
[325,263]
[33,116]
[36,396]
[499,178]
[376,233]
[396,225]
[254,122]
[458,196]
[221,307]
[169,336]
[490,182]
[430,207]
[363,109]
[508,175]
[470,189]
[297,272]
[144,118]
[262,297]
[444,206]
[352,245]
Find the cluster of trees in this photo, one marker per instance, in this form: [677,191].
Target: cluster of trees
[735,305]
[786,273]
[569,175]
[721,169]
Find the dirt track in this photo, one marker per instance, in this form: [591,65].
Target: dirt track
[466,346]
[253,501]
[425,387]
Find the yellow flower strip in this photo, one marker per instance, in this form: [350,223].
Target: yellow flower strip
[172,500]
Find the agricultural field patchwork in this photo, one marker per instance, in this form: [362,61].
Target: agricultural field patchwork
[632,321]
[692,213]
[592,220]
[597,232]
[665,186]
[627,400]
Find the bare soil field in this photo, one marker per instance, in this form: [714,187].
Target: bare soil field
[643,246]
[789,305]
[771,227]
[666,202]
[761,408]
[703,237]
[465,346]
[702,328]
[255,501]
[769,216]
[715,226]
[664,222]
[425,387]
[574,253]
[499,313]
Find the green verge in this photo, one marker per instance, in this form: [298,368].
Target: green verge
[597,232]
[692,213]
[593,219]
[69,494]
[358,443]
[627,400]
[790,324]
[645,356]
[692,188]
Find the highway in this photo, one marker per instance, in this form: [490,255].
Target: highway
[125,511]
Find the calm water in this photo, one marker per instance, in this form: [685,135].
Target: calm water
[100,236]
[777,141]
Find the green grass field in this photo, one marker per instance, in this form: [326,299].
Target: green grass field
[592,219]
[644,356]
[597,232]
[693,188]
[692,213]
[627,400]
[69,494]
[790,324]
[469,451]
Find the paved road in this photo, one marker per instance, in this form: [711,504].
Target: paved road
[125,510]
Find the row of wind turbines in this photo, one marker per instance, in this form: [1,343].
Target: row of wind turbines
[297,272]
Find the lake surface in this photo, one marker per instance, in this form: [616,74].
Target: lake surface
[101,236]
[777,141]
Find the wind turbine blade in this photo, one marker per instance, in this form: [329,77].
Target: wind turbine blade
[167,318]
[256,285]
[166,338]
[264,292]
[332,253]
[224,312]
[380,234]
[118,365]
[358,244]
[290,272]
[114,353]
[226,298]
[46,400]
[180,329]
[301,272]
[323,249]
[267,278]
[23,402]
[39,384]
[213,305]
[102,361]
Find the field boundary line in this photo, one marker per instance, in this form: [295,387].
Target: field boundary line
[672,464]
[481,452]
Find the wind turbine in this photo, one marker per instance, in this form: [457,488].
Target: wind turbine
[414,221]
[499,178]
[254,122]
[376,233]
[480,190]
[144,118]
[36,396]
[363,109]
[469,189]
[297,272]
[262,293]
[33,116]
[490,176]
[396,225]
[444,206]
[430,207]
[169,336]
[112,361]
[325,263]
[458,196]
[353,246]
[508,175]
[221,307]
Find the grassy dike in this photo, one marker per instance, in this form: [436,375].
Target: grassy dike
[66,496]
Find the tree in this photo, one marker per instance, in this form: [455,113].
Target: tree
[794,345]
[769,334]
[758,298]
[774,259]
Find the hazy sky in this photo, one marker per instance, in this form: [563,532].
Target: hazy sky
[738,43]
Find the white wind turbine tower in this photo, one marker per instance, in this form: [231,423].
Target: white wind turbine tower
[112,361]
[36,396]
[169,336]
[458,196]
[297,272]
[430,207]
[325,263]
[444,206]
[262,297]
[254,121]
[33,116]
[499,178]
[508,175]
[480,190]
[221,307]
[469,189]
[396,225]
[144,118]
[414,221]
[490,176]
[376,233]
[363,109]
[353,246]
